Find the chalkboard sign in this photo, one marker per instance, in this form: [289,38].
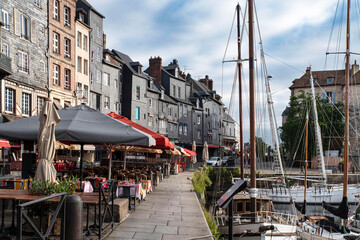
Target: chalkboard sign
[231,192]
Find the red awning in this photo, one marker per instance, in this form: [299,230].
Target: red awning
[189,152]
[212,146]
[4,143]
[161,141]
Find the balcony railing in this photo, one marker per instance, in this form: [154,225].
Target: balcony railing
[5,65]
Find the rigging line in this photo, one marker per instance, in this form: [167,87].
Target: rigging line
[332,27]
[233,89]
[228,41]
[297,69]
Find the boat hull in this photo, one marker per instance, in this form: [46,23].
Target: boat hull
[333,194]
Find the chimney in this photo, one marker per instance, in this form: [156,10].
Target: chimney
[155,64]
[207,82]
[104,40]
[354,69]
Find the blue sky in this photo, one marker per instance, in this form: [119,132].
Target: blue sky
[196,33]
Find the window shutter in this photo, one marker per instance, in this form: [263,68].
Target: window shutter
[33,31]
[323,95]
[16,22]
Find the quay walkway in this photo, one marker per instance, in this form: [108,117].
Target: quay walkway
[171,211]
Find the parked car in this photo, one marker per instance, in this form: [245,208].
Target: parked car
[228,161]
[214,161]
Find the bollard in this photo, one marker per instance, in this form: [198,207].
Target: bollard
[73,219]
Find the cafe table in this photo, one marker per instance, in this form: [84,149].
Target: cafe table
[140,193]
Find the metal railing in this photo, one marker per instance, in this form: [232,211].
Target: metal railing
[5,63]
[21,213]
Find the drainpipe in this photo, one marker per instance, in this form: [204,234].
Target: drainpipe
[48,50]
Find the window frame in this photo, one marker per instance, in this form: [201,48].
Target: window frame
[85,39]
[85,68]
[5,15]
[79,64]
[78,39]
[106,77]
[67,19]
[137,113]
[56,75]
[67,47]
[56,10]
[7,49]
[9,102]
[25,27]
[67,78]
[137,92]
[23,62]
[40,101]
[26,104]
[107,102]
[56,41]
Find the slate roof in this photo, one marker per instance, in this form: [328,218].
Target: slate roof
[227,117]
[321,78]
[286,111]
[128,62]
[92,8]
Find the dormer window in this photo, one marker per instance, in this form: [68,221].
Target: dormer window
[162,94]
[329,80]
[107,57]
[82,17]
[176,72]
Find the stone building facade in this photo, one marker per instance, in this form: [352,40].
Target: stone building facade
[94,19]
[82,78]
[23,35]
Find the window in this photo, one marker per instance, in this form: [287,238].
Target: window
[67,47]
[107,102]
[92,56]
[23,62]
[208,124]
[55,42]
[85,43]
[82,17]
[98,32]
[107,57]
[24,27]
[115,83]
[198,119]
[79,90]
[5,49]
[180,128]
[150,102]
[137,113]
[5,19]
[79,61]
[162,94]
[179,92]
[91,78]
[214,122]
[42,66]
[329,96]
[86,92]
[98,76]
[26,104]
[185,110]
[247,207]
[67,16]
[181,109]
[185,129]
[170,111]
[106,79]
[56,10]
[85,67]
[56,74]
[78,39]
[67,79]
[150,120]
[329,80]
[9,100]
[98,55]
[170,127]
[199,134]
[37,3]
[239,207]
[40,104]
[174,90]
[138,92]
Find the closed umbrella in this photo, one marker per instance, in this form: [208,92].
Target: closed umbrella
[193,158]
[205,153]
[46,142]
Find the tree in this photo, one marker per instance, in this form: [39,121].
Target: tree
[293,130]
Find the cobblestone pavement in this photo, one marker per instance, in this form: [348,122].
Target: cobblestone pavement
[172,211]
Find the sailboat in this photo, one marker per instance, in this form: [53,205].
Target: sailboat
[255,219]
[320,189]
[324,229]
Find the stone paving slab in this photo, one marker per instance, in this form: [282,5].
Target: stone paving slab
[172,211]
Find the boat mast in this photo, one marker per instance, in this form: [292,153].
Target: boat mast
[252,113]
[347,80]
[306,157]
[319,147]
[239,65]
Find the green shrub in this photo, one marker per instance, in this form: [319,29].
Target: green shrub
[200,180]
[212,224]
[41,187]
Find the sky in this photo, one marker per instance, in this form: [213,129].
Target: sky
[295,35]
